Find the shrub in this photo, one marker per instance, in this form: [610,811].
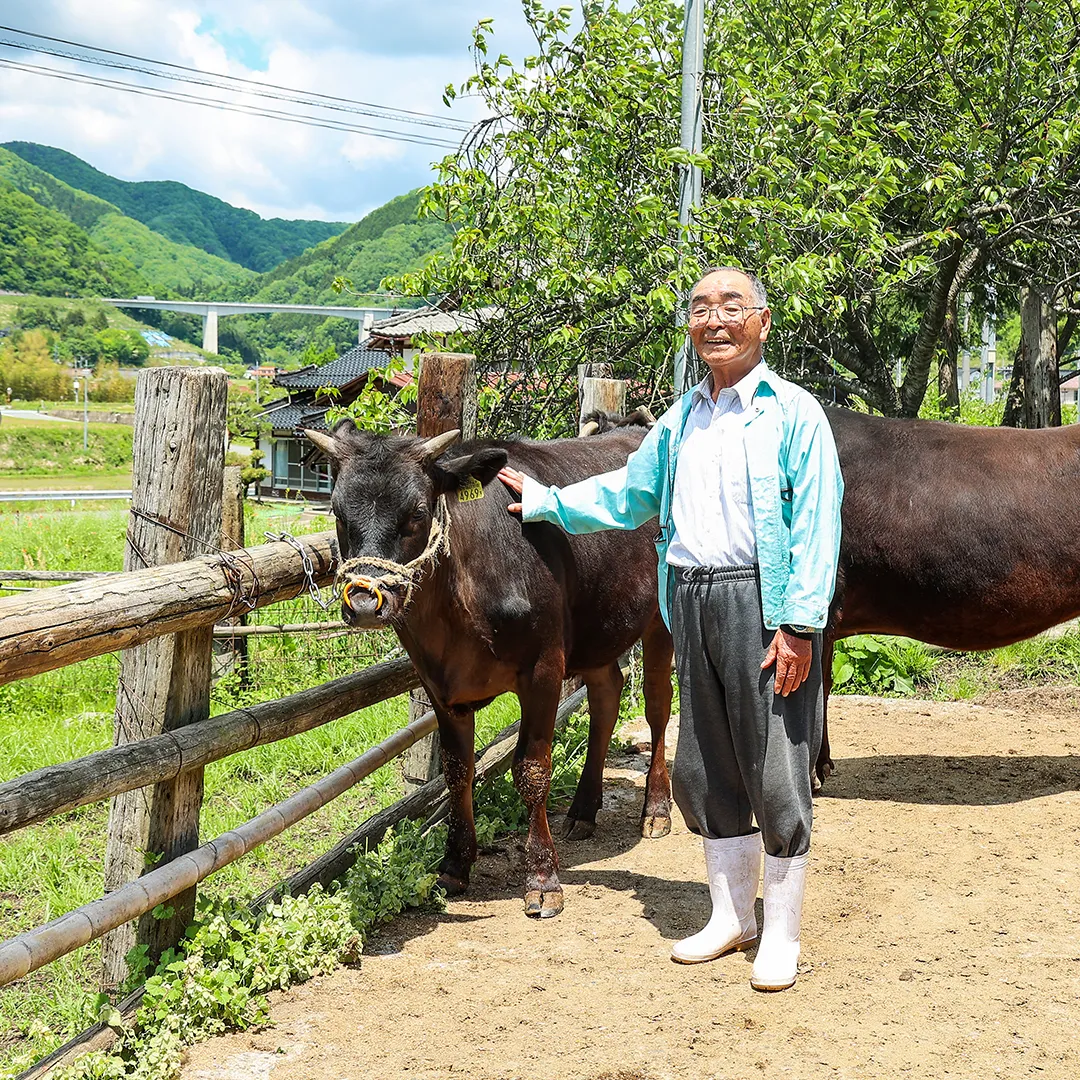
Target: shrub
[884,666]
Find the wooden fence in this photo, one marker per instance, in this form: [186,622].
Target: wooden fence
[187,579]
[179,582]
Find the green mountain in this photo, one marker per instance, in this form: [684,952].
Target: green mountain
[43,252]
[162,263]
[185,215]
[389,240]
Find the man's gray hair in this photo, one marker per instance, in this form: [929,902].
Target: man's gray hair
[756,288]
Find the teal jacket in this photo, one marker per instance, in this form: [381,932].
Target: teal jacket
[795,489]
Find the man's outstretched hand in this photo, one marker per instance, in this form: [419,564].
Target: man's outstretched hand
[515,481]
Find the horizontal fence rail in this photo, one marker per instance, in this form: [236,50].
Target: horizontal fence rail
[54,575]
[334,629]
[51,628]
[56,789]
[31,950]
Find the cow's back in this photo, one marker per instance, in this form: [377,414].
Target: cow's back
[947,528]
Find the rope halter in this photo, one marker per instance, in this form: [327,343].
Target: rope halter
[398,574]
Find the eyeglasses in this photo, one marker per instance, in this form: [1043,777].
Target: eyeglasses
[728,313]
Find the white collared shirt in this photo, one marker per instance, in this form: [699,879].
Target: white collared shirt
[711,508]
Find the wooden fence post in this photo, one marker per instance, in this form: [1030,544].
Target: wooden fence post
[232,653]
[179,456]
[604,395]
[602,370]
[446,399]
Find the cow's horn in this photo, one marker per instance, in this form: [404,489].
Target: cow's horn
[647,413]
[591,428]
[323,441]
[438,443]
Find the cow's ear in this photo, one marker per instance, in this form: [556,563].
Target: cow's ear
[451,473]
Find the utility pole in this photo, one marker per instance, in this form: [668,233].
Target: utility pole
[86,404]
[693,76]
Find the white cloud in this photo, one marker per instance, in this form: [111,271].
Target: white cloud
[394,52]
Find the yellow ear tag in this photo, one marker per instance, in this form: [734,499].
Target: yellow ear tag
[471,491]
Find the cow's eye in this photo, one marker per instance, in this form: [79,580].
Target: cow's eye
[415,521]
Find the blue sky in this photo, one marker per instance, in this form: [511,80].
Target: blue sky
[400,53]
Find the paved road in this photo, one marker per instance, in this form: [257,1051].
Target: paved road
[30,414]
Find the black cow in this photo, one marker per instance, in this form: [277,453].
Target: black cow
[491,605]
[965,537]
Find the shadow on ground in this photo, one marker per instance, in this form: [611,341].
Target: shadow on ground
[953,780]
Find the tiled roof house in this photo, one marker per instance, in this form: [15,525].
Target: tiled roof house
[293,471]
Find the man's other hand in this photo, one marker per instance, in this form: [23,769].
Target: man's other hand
[515,481]
[792,656]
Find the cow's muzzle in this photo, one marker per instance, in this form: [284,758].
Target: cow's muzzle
[365,604]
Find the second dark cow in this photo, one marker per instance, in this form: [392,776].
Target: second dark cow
[484,605]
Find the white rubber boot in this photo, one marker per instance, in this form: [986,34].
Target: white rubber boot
[777,961]
[734,869]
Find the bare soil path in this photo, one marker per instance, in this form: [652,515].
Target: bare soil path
[941,935]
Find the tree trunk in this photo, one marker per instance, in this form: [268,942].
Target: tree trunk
[1038,358]
[1014,402]
[948,387]
[917,375]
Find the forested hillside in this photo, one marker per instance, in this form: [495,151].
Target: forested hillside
[162,263]
[389,240]
[43,252]
[185,215]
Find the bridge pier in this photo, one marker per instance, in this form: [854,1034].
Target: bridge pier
[209,333]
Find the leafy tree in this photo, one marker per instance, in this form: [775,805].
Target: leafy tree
[872,160]
[122,346]
[27,366]
[109,384]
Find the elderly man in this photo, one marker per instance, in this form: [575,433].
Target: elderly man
[743,475]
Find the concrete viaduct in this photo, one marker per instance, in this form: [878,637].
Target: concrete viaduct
[210,310]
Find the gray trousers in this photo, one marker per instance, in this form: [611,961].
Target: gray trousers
[742,750]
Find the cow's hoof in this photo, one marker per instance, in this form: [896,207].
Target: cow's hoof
[451,885]
[578,829]
[815,783]
[540,905]
[654,826]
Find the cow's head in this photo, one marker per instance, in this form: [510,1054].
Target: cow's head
[385,492]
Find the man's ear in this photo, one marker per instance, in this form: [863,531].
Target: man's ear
[450,473]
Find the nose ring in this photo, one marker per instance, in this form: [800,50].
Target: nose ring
[365,583]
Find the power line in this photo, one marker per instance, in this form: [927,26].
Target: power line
[215,103]
[230,78]
[378,111]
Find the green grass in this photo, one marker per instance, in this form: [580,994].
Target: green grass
[41,448]
[119,481]
[50,868]
[900,667]
[42,406]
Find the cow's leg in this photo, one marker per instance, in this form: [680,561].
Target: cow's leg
[605,689]
[657,651]
[539,697]
[457,747]
[825,766]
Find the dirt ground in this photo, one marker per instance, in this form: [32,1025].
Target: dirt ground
[941,936]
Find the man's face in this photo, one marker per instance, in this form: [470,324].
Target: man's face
[731,347]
